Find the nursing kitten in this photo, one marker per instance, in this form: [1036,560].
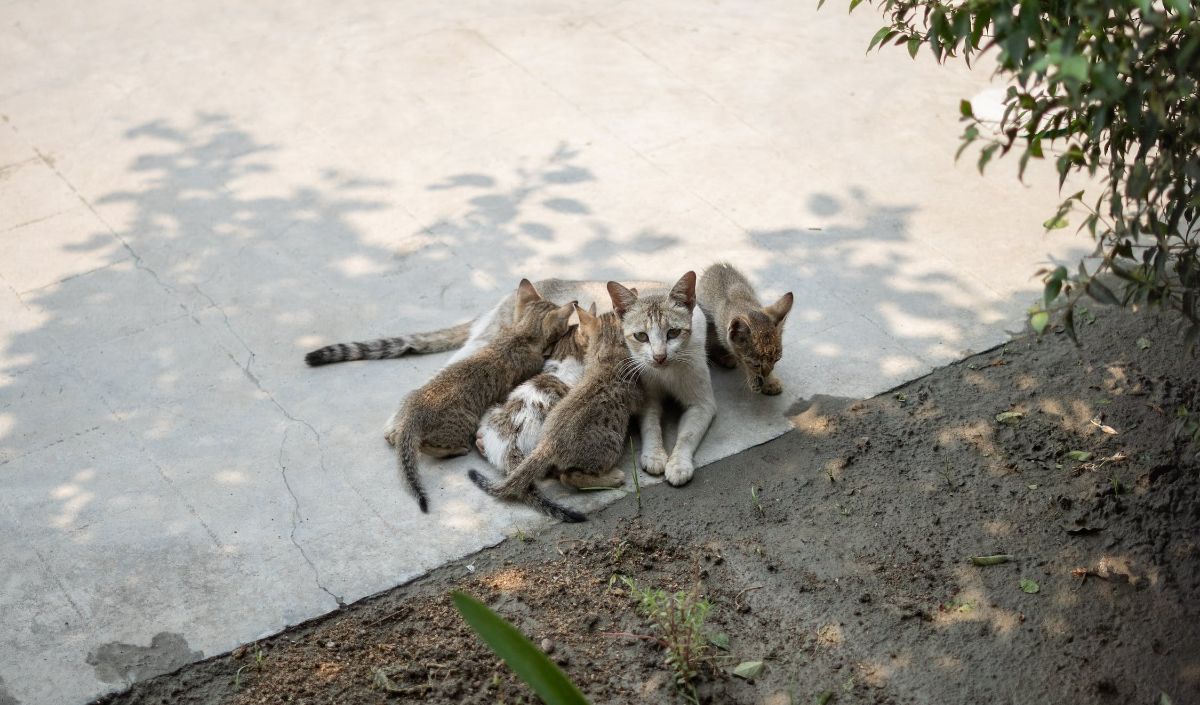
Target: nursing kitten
[468,337]
[509,431]
[584,434]
[742,332]
[665,332]
[440,418]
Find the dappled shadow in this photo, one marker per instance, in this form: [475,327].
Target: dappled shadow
[168,454]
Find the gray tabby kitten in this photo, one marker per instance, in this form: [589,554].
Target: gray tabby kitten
[585,434]
[741,331]
[510,431]
[469,336]
[441,417]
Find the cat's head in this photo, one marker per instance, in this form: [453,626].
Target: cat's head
[602,334]
[757,340]
[542,320]
[657,326]
[573,345]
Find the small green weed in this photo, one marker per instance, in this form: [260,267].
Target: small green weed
[679,619]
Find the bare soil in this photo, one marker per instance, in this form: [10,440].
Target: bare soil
[847,568]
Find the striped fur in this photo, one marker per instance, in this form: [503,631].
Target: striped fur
[584,434]
[511,430]
[389,348]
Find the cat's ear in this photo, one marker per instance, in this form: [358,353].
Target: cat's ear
[684,291]
[592,308]
[634,290]
[622,298]
[779,310]
[739,330]
[587,321]
[564,312]
[526,295]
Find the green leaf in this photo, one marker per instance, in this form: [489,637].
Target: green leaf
[748,669]
[1029,586]
[1101,293]
[985,155]
[854,4]
[879,37]
[914,45]
[1164,699]
[1010,418]
[1081,455]
[1055,223]
[1183,7]
[1053,287]
[1039,321]
[964,107]
[1075,67]
[1143,343]
[525,659]
[825,696]
[991,560]
[720,640]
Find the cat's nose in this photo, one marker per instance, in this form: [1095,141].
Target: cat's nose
[660,358]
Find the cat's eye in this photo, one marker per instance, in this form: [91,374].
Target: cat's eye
[642,337]
[674,333]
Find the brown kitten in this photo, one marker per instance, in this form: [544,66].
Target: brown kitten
[585,434]
[742,332]
[441,417]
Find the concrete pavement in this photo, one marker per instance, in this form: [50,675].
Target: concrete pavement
[194,194]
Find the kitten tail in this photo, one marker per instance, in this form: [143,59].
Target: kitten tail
[520,486]
[406,456]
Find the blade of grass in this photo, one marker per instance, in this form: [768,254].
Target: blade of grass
[525,659]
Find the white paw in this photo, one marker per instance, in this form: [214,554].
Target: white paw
[392,429]
[654,462]
[679,470]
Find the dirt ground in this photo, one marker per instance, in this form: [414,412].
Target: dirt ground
[839,555]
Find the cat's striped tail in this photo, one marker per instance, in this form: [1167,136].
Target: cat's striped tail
[388,348]
[406,456]
[530,494]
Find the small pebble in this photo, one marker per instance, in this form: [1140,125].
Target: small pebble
[331,644]
[547,646]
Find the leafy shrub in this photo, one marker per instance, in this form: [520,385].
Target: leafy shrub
[1106,87]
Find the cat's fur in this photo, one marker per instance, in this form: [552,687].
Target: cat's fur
[742,332]
[585,434]
[510,431]
[665,332]
[440,418]
[468,337]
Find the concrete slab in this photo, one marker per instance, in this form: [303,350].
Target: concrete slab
[193,194]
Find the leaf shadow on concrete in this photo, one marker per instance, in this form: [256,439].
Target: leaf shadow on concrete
[163,440]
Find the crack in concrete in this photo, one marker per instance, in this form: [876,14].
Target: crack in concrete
[311,429]
[229,327]
[296,524]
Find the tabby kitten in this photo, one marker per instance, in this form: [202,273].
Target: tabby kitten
[509,431]
[441,417]
[742,332]
[665,332]
[584,434]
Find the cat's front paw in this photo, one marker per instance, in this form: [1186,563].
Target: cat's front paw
[679,470]
[772,386]
[654,462]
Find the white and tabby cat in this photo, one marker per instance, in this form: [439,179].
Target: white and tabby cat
[510,431]
[665,332]
[469,336]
